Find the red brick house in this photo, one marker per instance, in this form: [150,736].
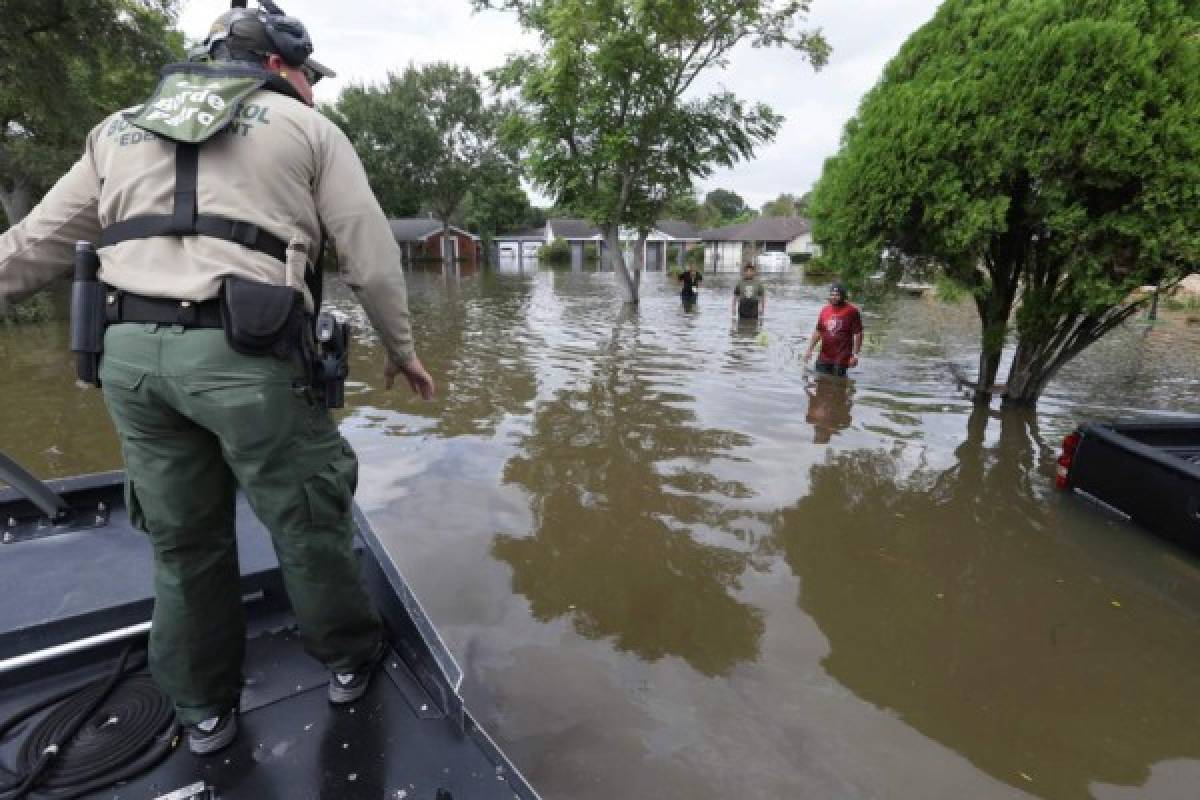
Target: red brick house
[420,239]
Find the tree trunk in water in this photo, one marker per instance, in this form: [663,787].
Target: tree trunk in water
[16,201]
[989,365]
[1041,355]
[639,260]
[627,283]
[1027,376]
[487,244]
[447,249]
[994,309]
[994,320]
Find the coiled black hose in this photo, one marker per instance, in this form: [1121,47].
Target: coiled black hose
[91,736]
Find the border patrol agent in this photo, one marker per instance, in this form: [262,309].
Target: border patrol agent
[225,180]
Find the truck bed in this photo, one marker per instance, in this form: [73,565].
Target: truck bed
[1148,471]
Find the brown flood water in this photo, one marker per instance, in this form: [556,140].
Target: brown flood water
[673,565]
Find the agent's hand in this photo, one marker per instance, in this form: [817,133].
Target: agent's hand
[414,372]
[853,361]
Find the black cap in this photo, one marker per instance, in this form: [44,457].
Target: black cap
[840,288]
[240,33]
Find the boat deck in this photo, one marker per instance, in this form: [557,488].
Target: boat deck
[75,598]
[1191,454]
[292,744]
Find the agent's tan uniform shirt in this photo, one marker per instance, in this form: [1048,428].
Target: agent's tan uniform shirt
[280,165]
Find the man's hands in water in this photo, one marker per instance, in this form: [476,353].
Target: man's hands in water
[414,372]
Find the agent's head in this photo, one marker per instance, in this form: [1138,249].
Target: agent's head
[748,271]
[267,38]
[838,293]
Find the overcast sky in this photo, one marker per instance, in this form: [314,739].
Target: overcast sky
[362,40]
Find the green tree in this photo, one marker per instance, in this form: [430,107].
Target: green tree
[782,206]
[787,205]
[426,137]
[725,207]
[803,204]
[393,141]
[1045,154]
[609,126]
[496,202]
[685,207]
[64,66]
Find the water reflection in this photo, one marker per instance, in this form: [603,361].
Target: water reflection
[654,480]
[620,507]
[830,399]
[1046,668]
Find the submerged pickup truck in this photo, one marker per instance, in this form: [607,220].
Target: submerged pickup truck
[1146,471]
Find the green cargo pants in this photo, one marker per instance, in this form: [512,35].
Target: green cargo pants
[196,421]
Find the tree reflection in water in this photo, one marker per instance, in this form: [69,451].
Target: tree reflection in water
[614,468]
[1002,643]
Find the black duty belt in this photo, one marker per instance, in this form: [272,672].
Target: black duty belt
[128,307]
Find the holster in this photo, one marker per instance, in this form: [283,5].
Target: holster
[330,363]
[260,318]
[87,315]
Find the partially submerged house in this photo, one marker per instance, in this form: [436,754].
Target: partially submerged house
[669,239]
[729,248]
[420,239]
[520,244]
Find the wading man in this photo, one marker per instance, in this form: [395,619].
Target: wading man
[691,280]
[208,204]
[840,332]
[749,298]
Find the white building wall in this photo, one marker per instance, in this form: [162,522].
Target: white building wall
[804,244]
[723,256]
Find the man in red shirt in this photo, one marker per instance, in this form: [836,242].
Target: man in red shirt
[840,332]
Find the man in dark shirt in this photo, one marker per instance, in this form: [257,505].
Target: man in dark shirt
[749,298]
[840,332]
[690,278]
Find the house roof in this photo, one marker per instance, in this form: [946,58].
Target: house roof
[525,234]
[567,228]
[571,228]
[760,229]
[417,229]
[678,229]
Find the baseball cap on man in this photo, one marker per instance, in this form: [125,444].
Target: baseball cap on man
[241,33]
